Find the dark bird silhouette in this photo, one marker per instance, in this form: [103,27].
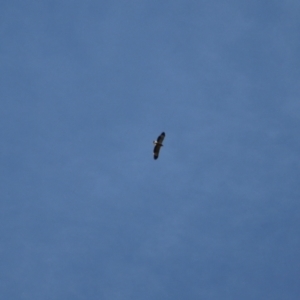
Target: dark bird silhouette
[158,144]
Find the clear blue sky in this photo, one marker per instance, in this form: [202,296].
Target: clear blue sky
[85,211]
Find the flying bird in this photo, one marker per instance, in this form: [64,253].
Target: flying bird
[158,144]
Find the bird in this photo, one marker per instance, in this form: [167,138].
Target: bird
[158,144]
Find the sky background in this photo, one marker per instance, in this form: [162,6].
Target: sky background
[85,211]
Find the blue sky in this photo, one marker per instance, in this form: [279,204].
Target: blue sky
[86,213]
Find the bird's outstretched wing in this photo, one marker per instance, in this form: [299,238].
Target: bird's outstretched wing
[156,151]
[160,139]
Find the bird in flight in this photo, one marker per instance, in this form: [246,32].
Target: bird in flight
[158,144]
